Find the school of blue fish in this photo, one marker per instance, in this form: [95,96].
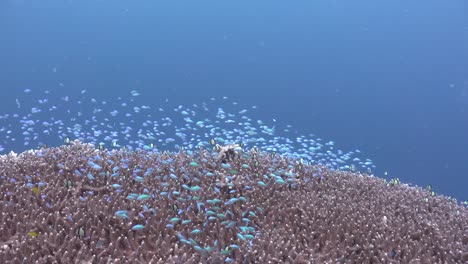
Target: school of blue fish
[45,119]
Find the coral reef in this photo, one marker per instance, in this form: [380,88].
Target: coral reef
[79,204]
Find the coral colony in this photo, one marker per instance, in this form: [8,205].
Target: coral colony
[203,183]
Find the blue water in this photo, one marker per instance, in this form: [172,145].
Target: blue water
[390,79]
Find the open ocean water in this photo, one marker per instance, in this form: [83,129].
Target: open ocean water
[389,79]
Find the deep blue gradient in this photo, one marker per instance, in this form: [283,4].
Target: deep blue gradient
[389,78]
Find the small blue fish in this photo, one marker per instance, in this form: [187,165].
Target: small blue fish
[180,236]
[195,188]
[199,204]
[138,227]
[185,241]
[132,196]
[139,179]
[195,231]
[94,165]
[222,216]
[226,251]
[244,229]
[209,212]
[231,201]
[146,147]
[214,201]
[249,237]
[121,214]
[174,220]
[198,248]
[90,176]
[143,197]
[280,181]
[239,235]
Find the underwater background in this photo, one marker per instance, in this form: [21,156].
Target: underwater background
[387,78]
